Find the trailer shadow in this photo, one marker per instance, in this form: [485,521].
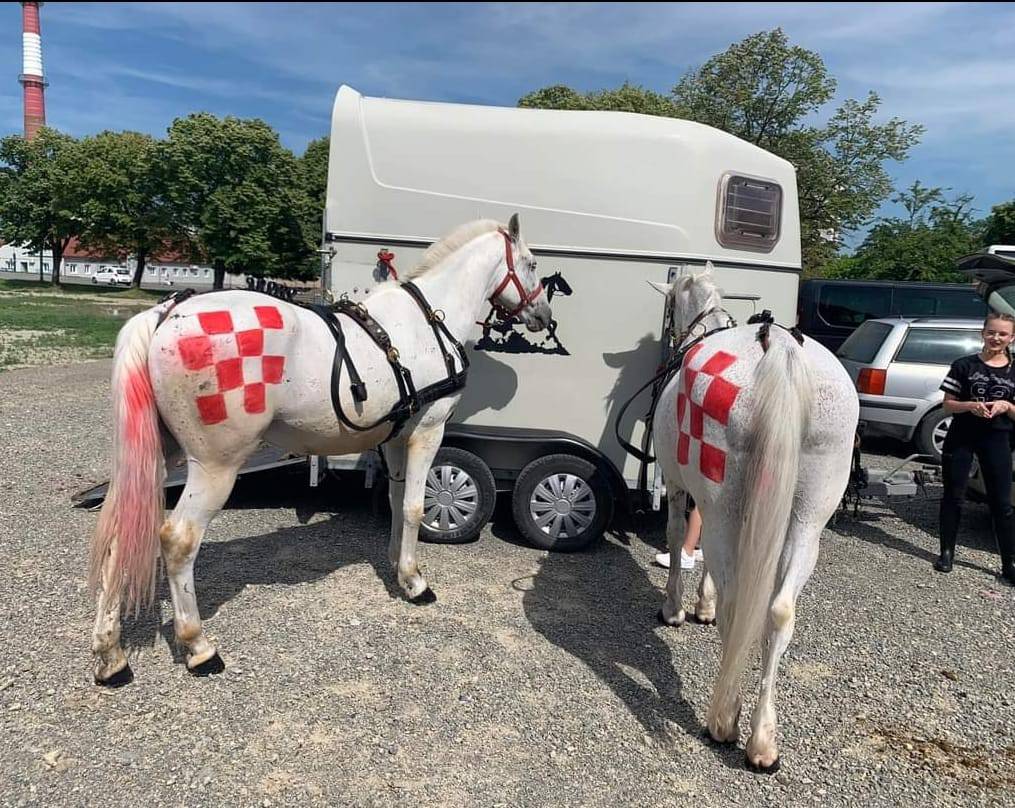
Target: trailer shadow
[599,606]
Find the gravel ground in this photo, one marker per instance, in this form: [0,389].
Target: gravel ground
[537,679]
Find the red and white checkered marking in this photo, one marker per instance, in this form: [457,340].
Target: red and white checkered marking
[237,356]
[714,399]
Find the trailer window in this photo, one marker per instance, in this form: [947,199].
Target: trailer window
[749,213]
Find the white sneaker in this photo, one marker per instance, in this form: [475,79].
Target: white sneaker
[687,561]
[663,560]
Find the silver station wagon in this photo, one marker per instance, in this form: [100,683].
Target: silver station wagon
[897,365]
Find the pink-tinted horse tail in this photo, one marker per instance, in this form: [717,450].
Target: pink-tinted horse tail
[128,526]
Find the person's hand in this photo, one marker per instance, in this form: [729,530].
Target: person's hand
[980,409]
[999,408]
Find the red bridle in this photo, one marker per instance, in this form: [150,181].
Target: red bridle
[524,298]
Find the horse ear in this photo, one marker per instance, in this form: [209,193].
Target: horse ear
[661,288]
[513,227]
[708,268]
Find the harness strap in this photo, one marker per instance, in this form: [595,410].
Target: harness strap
[436,322]
[667,372]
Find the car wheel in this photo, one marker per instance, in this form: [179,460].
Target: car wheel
[459,498]
[562,502]
[930,436]
[94,281]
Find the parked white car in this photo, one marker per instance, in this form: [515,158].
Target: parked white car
[112,276]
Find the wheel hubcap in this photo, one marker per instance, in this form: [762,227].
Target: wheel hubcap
[940,431]
[563,506]
[450,498]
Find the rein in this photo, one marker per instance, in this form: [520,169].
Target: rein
[662,378]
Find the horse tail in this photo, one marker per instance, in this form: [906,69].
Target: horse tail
[783,394]
[128,526]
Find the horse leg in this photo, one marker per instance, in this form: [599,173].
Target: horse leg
[111,666]
[394,457]
[672,612]
[704,609]
[716,601]
[205,493]
[802,541]
[421,448]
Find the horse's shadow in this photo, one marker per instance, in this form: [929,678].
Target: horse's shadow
[289,556]
[599,606]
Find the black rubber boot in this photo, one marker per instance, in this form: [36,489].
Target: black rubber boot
[944,561]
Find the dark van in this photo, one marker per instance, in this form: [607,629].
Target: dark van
[829,310]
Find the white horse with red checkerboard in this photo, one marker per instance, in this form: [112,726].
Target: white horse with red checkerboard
[217,373]
[759,430]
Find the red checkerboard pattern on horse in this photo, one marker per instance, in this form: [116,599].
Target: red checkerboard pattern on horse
[704,393]
[236,350]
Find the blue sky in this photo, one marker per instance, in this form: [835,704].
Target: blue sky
[949,66]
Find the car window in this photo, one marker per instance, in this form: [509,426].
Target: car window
[933,346]
[937,302]
[852,305]
[864,343]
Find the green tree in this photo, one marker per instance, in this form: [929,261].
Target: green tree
[768,92]
[313,178]
[124,197]
[626,98]
[921,246]
[999,227]
[237,190]
[39,180]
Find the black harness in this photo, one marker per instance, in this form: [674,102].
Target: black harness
[672,366]
[410,400]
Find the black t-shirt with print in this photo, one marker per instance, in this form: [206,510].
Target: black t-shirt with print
[972,379]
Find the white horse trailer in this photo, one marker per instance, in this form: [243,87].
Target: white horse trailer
[607,201]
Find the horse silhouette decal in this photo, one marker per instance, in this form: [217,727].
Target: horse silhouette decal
[503,336]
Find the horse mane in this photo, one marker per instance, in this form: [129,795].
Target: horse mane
[458,237]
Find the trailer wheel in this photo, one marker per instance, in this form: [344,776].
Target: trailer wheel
[459,498]
[562,502]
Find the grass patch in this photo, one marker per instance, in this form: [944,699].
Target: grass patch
[74,289]
[41,329]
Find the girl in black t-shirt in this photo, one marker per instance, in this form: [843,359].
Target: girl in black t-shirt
[980,391]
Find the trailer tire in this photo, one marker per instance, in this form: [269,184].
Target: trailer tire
[460,490]
[566,485]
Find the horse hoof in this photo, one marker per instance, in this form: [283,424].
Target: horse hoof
[424,598]
[758,768]
[209,667]
[715,742]
[701,622]
[662,619]
[122,677]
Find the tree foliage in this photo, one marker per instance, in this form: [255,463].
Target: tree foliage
[237,191]
[124,198]
[920,246]
[768,92]
[999,226]
[39,185]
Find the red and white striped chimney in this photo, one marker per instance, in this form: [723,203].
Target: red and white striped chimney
[32,78]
